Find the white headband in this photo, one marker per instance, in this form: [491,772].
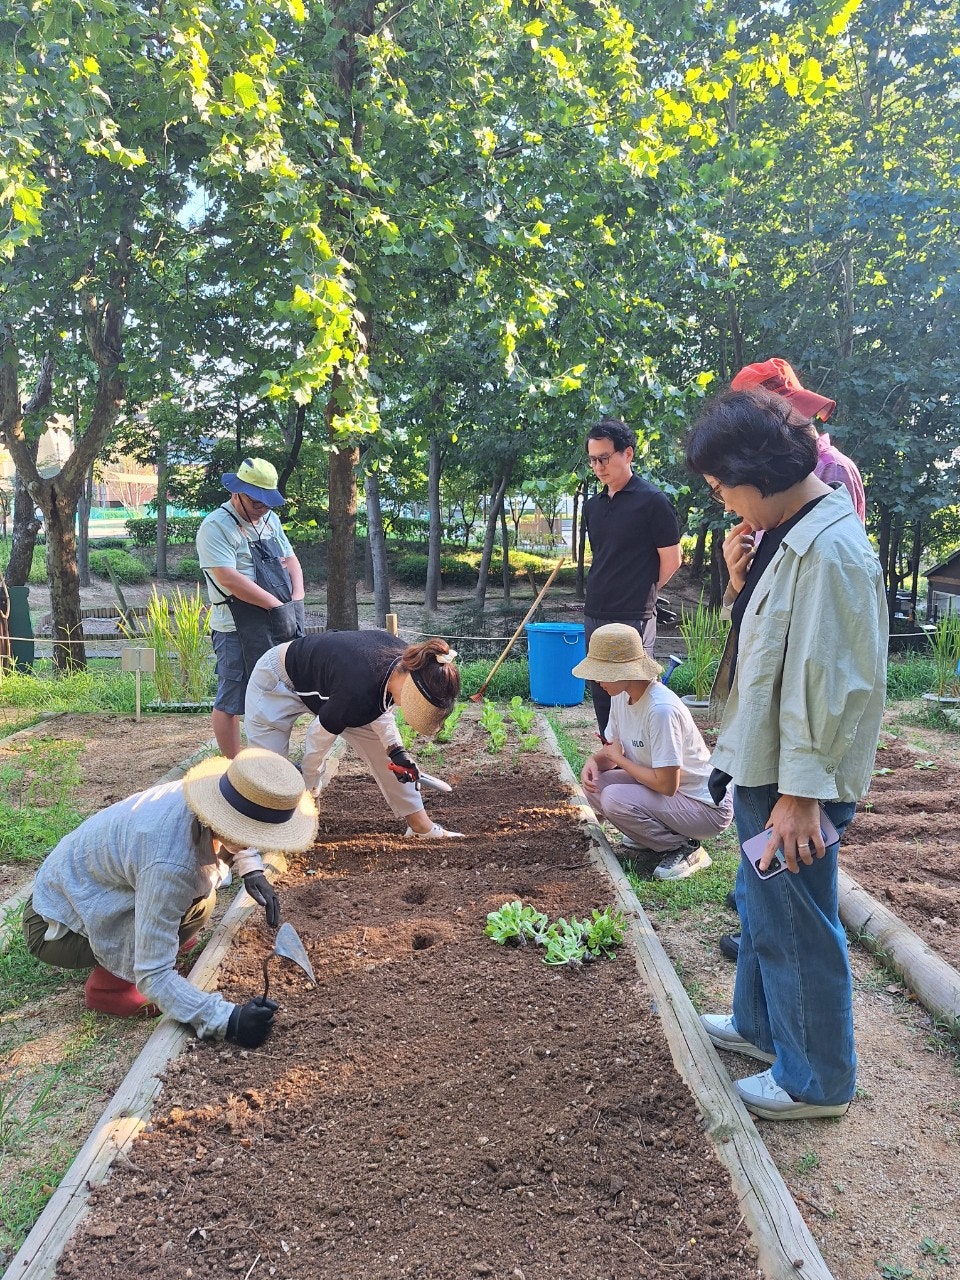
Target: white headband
[444,658]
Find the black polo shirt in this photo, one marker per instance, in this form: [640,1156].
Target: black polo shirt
[626,531]
[341,676]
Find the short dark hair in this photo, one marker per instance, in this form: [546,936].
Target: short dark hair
[753,437]
[617,432]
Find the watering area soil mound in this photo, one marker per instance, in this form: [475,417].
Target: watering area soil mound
[439,1105]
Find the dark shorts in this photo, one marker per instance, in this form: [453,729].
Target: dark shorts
[231,673]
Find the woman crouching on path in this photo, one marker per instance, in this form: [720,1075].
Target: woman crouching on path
[135,883]
[352,681]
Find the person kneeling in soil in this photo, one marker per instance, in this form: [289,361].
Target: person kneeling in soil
[650,778]
[135,883]
[351,681]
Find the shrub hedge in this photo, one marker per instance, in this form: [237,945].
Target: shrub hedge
[459,568]
[124,565]
[143,529]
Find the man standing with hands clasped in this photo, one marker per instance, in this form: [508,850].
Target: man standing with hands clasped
[634,541]
[254,584]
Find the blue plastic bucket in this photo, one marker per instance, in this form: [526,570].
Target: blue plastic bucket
[555,647]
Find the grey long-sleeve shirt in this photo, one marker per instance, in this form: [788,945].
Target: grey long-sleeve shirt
[124,879]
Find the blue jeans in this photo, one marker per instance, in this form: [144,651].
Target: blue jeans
[794,991]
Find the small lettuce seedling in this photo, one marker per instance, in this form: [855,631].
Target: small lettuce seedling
[516,925]
[603,932]
[523,717]
[492,721]
[565,943]
[451,722]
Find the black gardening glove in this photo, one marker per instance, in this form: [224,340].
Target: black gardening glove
[300,613]
[261,890]
[403,766]
[251,1023]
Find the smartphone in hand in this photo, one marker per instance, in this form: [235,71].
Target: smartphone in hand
[755,846]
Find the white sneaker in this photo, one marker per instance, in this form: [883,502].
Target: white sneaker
[436,832]
[685,861]
[719,1027]
[762,1096]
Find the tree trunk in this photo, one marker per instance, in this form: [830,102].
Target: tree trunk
[163,472]
[699,551]
[915,568]
[486,555]
[59,508]
[582,552]
[431,593]
[341,570]
[377,542]
[505,559]
[883,537]
[573,523]
[84,505]
[893,572]
[26,526]
[718,577]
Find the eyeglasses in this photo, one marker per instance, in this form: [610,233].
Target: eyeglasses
[598,459]
[716,495]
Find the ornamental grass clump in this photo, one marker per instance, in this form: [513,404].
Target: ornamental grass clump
[705,633]
[945,640]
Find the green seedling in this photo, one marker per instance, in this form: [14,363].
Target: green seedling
[407,734]
[939,1253]
[523,717]
[451,722]
[492,721]
[603,932]
[565,945]
[516,925]
[530,742]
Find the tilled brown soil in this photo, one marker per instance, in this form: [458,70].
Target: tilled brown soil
[903,846]
[438,1106]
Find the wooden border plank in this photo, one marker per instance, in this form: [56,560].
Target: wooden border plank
[785,1243]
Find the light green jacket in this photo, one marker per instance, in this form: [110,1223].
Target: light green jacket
[807,698]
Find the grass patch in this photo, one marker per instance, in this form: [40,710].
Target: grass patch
[101,687]
[37,788]
[706,888]
[511,680]
[573,753]
[24,1198]
[23,978]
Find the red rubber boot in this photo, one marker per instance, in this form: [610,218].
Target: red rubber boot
[106,993]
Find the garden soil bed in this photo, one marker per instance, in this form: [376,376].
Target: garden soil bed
[438,1106]
[903,846]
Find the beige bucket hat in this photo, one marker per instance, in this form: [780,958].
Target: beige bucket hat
[616,653]
[256,800]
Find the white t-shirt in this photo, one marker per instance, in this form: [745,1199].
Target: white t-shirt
[658,731]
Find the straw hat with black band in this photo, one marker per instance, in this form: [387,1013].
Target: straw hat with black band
[616,653]
[255,800]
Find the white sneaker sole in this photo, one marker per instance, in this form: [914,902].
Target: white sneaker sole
[684,870]
[765,1110]
[738,1045]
